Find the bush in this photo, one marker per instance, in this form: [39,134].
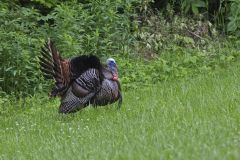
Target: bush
[18,50]
[91,28]
[76,27]
[234,18]
[177,62]
[148,47]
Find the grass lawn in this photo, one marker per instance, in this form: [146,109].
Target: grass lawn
[194,118]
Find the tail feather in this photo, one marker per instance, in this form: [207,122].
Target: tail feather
[46,66]
[46,63]
[46,72]
[45,54]
[55,67]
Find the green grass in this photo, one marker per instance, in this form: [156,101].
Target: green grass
[194,118]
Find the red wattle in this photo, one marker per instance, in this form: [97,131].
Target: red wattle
[115,78]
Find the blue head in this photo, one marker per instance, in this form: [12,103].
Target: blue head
[112,65]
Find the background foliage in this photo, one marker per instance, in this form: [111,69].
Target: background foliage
[152,41]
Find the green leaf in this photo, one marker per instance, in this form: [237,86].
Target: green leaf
[231,27]
[230,58]
[200,4]
[195,9]
[14,73]
[188,40]
[8,69]
[187,9]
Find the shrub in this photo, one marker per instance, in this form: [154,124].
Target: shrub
[234,18]
[18,50]
[148,47]
[76,27]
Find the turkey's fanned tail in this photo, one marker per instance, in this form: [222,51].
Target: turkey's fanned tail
[55,67]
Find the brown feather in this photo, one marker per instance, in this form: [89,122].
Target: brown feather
[46,71]
[46,55]
[53,64]
[48,63]
[46,66]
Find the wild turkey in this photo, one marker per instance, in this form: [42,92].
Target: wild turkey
[80,81]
